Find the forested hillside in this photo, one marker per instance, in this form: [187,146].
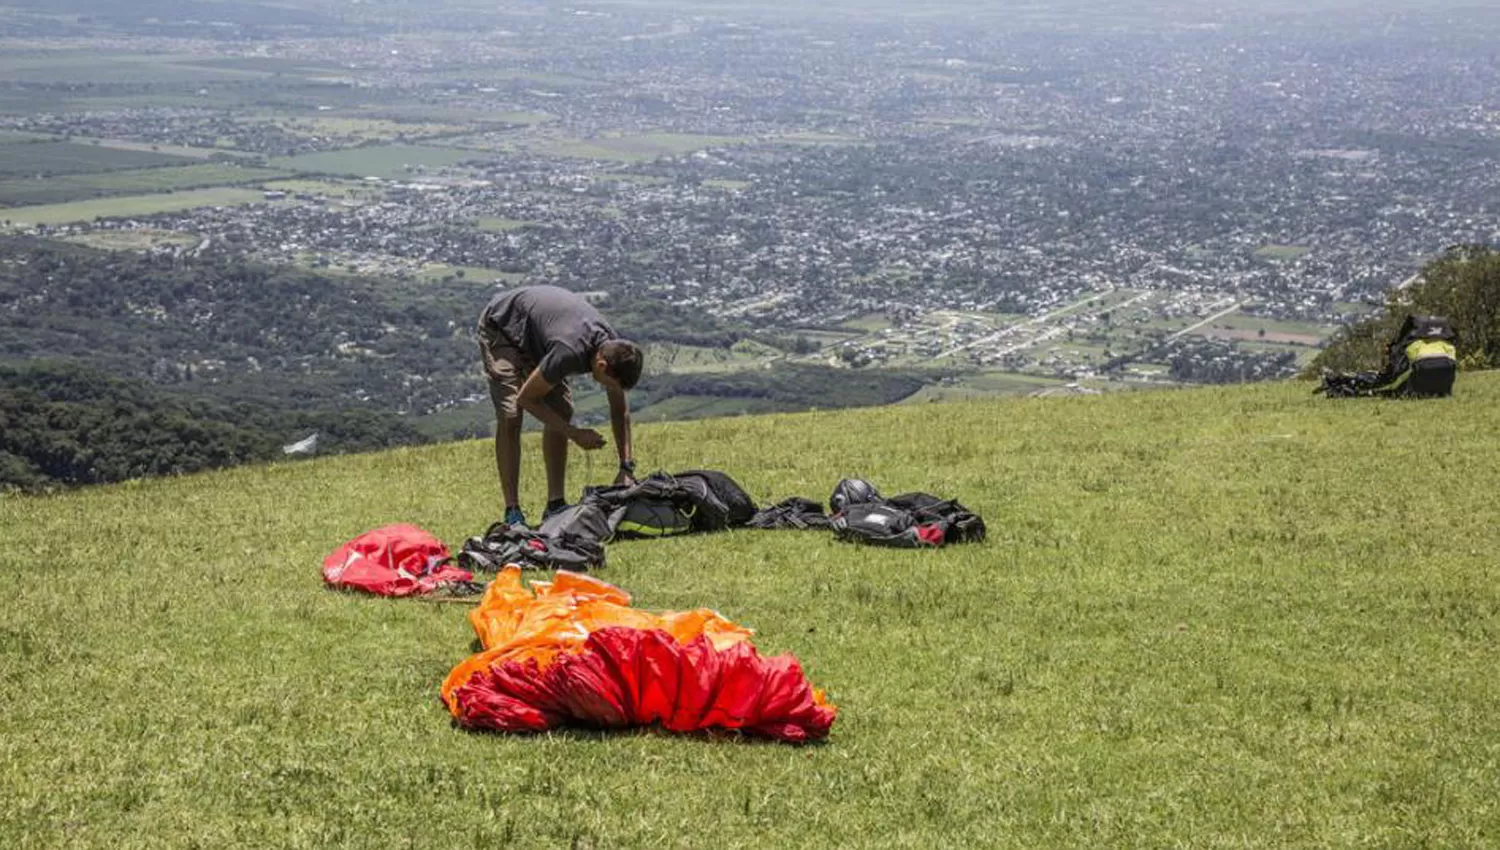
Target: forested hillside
[117,364]
[218,321]
[66,423]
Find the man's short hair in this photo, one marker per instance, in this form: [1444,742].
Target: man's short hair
[623,361]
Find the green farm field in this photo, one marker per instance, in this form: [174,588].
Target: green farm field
[1202,618]
[616,147]
[128,205]
[386,161]
[79,66]
[11,137]
[74,187]
[1243,321]
[981,385]
[675,358]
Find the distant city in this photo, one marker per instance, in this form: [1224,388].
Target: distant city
[1050,202]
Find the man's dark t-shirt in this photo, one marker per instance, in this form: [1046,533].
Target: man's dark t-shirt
[557,330]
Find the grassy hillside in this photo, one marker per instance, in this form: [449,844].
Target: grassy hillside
[1207,618]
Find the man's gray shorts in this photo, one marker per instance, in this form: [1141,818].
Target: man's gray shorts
[507,368]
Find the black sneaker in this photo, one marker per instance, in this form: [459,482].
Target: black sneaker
[550,511]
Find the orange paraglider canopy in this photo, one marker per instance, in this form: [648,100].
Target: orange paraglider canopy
[572,651]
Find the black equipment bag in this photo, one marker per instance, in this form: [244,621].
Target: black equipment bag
[572,539]
[662,504]
[724,505]
[1421,362]
[878,523]
[909,521]
[1431,377]
[960,525]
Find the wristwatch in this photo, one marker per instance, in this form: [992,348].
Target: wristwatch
[627,467]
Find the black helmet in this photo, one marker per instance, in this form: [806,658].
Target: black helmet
[852,491]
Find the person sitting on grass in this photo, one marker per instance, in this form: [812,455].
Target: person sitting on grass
[531,339]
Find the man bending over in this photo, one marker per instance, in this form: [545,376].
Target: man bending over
[532,339]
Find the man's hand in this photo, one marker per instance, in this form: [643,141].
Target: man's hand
[586,438]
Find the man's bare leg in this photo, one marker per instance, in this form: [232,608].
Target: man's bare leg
[508,458]
[555,455]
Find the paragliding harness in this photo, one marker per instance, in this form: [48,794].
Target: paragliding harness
[908,521]
[1421,362]
[571,539]
[664,504]
[661,505]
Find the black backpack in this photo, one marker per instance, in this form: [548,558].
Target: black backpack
[662,504]
[909,521]
[723,503]
[1421,362]
[1422,359]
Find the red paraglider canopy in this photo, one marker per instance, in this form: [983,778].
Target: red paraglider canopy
[393,560]
[573,652]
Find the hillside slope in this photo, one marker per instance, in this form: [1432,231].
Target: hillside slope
[1217,617]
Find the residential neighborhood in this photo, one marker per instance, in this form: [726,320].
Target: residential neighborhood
[1199,203]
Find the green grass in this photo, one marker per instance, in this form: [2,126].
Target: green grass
[269,65]
[670,358]
[146,68]
[477,274]
[11,137]
[136,239]
[1282,252]
[397,162]
[366,129]
[1242,321]
[982,385]
[1204,618]
[328,188]
[186,151]
[132,205]
[621,147]
[1304,353]
[426,112]
[814,138]
[869,323]
[72,187]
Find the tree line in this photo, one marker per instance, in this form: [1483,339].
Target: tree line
[66,424]
[120,365]
[1463,285]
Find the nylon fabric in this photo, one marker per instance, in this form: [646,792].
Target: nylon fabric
[1423,349]
[393,560]
[572,652]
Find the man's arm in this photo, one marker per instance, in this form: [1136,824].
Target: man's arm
[619,423]
[533,391]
